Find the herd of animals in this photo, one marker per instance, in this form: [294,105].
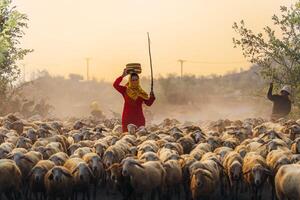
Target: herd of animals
[224,159]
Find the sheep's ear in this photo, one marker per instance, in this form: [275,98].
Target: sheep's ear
[5,151]
[91,173]
[50,177]
[247,172]
[66,174]
[30,173]
[208,175]
[139,165]
[218,163]
[60,159]
[268,172]
[26,158]
[9,156]
[73,172]
[264,143]
[262,136]
[181,162]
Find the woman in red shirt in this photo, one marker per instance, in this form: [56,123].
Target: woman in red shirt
[134,96]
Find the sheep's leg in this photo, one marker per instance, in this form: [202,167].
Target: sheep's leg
[161,195]
[222,185]
[179,191]
[44,196]
[237,189]
[88,195]
[95,191]
[273,190]
[252,192]
[7,195]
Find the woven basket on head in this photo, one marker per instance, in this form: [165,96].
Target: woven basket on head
[134,68]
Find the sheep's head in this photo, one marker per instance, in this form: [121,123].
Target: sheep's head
[149,156]
[37,174]
[131,129]
[153,136]
[73,148]
[2,138]
[280,162]
[18,157]
[295,158]
[186,144]
[236,170]
[129,165]
[58,161]
[198,136]
[200,177]
[95,164]
[100,148]
[108,158]
[32,135]
[23,142]
[213,142]
[297,144]
[82,173]
[258,172]
[57,174]
[115,172]
[77,137]
[3,153]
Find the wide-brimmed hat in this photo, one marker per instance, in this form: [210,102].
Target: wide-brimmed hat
[287,88]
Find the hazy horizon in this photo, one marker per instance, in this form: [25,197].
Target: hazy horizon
[113,33]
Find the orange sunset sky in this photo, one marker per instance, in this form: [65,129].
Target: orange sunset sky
[113,33]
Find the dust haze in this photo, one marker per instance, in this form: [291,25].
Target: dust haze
[236,95]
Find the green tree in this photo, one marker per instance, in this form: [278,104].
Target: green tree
[277,53]
[12,24]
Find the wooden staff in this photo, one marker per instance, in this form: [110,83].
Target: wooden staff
[149,48]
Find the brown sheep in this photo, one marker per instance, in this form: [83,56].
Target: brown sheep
[149,156]
[255,172]
[146,177]
[82,175]
[58,179]
[80,152]
[36,176]
[233,164]
[296,146]
[173,180]
[287,182]
[275,159]
[165,154]
[185,165]
[113,154]
[26,161]
[241,149]
[119,182]
[10,179]
[222,151]
[205,178]
[23,142]
[95,164]
[5,148]
[187,143]
[174,146]
[100,147]
[59,158]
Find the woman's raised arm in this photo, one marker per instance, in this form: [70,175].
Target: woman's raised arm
[119,87]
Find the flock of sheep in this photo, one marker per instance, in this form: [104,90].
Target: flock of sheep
[221,160]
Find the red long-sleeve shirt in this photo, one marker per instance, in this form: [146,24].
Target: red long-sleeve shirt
[132,110]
